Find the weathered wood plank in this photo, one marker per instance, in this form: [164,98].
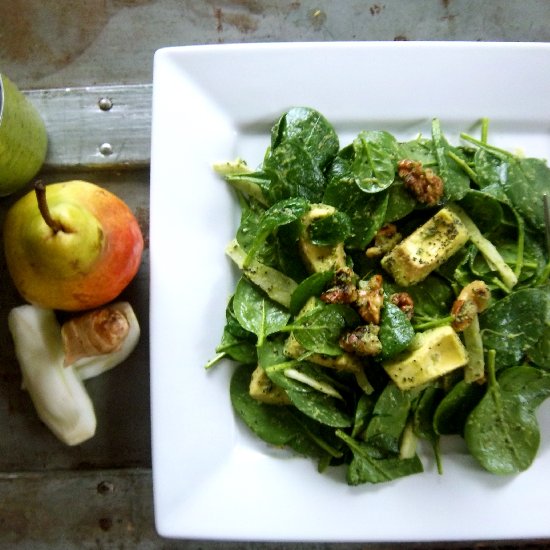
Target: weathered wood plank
[97,126]
[114,509]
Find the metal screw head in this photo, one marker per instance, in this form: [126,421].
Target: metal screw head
[105,103]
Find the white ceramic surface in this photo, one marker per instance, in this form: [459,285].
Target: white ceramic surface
[212,479]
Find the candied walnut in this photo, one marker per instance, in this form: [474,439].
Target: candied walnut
[473,299]
[384,240]
[404,302]
[362,341]
[424,184]
[370,299]
[343,290]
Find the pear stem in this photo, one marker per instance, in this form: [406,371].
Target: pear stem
[40,190]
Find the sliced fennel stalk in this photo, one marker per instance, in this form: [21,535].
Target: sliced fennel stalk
[58,394]
[56,389]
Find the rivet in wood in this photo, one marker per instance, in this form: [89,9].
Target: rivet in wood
[105,103]
[106,149]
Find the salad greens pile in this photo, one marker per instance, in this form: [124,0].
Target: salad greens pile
[347,359]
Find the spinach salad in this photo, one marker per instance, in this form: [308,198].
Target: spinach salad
[389,293]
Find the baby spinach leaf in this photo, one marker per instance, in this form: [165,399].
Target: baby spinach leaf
[400,203]
[374,160]
[316,405]
[396,331]
[330,230]
[281,213]
[484,209]
[456,181]
[275,424]
[293,173]
[529,384]
[311,286]
[363,413]
[453,410]
[540,352]
[423,425]
[310,128]
[515,324]
[366,467]
[502,432]
[420,150]
[388,421]
[424,410]
[432,297]
[240,350]
[318,330]
[366,211]
[256,312]
[489,168]
[528,180]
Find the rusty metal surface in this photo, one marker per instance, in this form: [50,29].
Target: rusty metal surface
[99,495]
[76,43]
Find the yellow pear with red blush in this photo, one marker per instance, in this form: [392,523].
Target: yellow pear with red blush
[71,246]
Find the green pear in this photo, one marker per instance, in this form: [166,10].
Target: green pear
[71,246]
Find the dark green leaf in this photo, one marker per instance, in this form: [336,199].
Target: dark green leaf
[311,286]
[453,410]
[293,173]
[528,180]
[330,230]
[366,467]
[502,432]
[319,406]
[374,161]
[281,213]
[365,211]
[256,312]
[396,331]
[319,329]
[311,129]
[274,424]
[456,181]
[514,325]
[388,421]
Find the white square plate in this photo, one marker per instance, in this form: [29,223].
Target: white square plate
[212,479]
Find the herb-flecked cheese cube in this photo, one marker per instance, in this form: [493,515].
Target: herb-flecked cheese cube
[424,250]
[432,354]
